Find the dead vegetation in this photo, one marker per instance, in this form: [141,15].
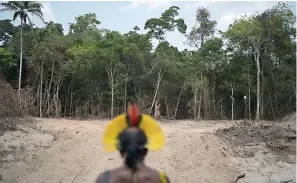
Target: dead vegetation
[9,109]
[247,138]
[266,147]
[8,102]
[9,118]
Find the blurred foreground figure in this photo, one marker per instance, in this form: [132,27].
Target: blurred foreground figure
[133,134]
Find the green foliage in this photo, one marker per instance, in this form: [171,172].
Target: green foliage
[22,9]
[83,23]
[6,59]
[167,22]
[203,29]
[6,31]
[93,71]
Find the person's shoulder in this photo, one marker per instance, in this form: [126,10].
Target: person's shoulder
[102,177]
[162,174]
[164,177]
[105,176]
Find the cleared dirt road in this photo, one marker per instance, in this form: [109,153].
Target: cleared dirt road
[58,149]
[62,151]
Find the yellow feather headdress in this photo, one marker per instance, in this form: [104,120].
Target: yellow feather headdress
[133,118]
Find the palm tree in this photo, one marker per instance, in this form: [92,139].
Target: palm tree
[22,10]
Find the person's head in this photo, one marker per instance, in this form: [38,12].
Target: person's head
[132,148]
[133,133]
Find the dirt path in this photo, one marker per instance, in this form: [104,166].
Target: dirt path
[189,155]
[55,150]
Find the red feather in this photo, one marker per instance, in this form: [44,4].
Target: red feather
[133,113]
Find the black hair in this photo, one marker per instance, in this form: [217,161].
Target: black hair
[132,145]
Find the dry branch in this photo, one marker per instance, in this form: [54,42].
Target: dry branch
[288,181]
[239,177]
[78,173]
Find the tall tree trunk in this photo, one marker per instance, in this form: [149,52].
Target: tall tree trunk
[157,112]
[37,99]
[66,99]
[99,101]
[276,97]
[156,96]
[112,98]
[206,104]
[214,101]
[45,84]
[125,98]
[71,102]
[49,88]
[200,99]
[55,98]
[262,95]
[232,92]
[195,103]
[221,109]
[274,88]
[258,83]
[245,109]
[21,63]
[71,96]
[110,73]
[157,89]
[40,92]
[271,106]
[167,106]
[250,115]
[58,104]
[176,108]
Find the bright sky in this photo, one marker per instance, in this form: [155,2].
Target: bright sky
[124,15]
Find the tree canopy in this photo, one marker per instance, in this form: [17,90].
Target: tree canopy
[95,72]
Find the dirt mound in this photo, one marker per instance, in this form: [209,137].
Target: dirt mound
[266,152]
[290,118]
[23,140]
[275,137]
[8,102]
[9,109]
[8,124]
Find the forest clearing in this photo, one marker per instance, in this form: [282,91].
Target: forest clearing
[56,150]
[226,101]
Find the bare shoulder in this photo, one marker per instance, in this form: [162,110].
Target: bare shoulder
[166,176]
[157,173]
[121,173]
[105,176]
[167,179]
[100,178]
[151,171]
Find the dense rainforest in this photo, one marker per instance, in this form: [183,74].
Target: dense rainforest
[245,72]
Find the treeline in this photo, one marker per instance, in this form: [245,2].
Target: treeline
[248,71]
